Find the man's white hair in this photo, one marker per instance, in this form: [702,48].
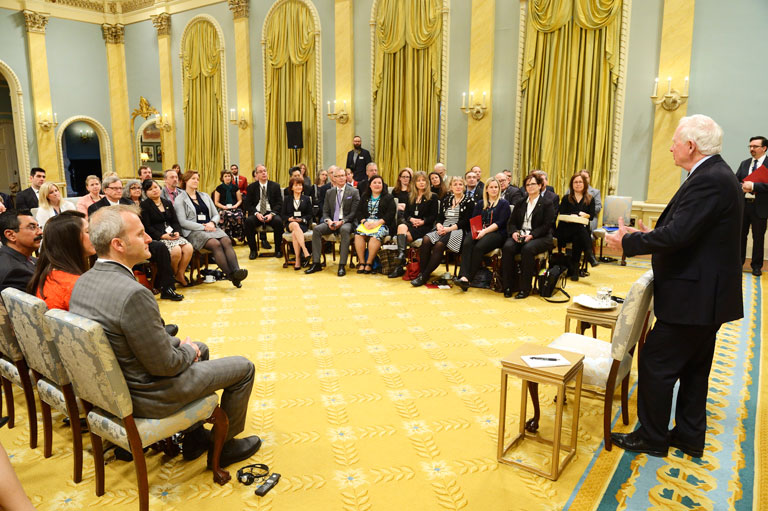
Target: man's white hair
[702,131]
[438,167]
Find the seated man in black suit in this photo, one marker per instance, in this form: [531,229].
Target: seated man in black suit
[509,192]
[113,195]
[262,204]
[20,235]
[27,199]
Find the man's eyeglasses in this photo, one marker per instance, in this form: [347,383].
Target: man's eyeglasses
[30,227]
[755,146]
[115,187]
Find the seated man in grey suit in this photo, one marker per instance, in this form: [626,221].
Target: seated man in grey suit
[338,217]
[163,373]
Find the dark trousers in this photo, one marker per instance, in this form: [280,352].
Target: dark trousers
[670,353]
[252,223]
[472,252]
[528,252]
[581,240]
[758,235]
[160,255]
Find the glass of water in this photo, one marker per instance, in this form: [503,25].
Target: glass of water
[604,295]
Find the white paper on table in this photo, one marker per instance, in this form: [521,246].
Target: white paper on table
[444,287]
[559,360]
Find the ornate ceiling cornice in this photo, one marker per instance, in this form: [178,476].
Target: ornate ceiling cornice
[36,21]
[114,34]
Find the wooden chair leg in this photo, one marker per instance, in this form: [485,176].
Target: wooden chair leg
[8,391]
[45,408]
[625,399]
[98,453]
[610,387]
[220,426]
[532,425]
[139,463]
[29,395]
[77,435]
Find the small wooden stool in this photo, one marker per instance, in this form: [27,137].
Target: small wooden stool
[594,317]
[558,376]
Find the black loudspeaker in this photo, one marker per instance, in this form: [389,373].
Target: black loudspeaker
[293,132]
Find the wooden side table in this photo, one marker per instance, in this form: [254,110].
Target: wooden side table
[605,318]
[559,376]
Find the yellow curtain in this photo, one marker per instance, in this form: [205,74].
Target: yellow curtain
[569,84]
[290,93]
[407,84]
[203,109]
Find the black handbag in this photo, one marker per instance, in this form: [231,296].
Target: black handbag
[554,279]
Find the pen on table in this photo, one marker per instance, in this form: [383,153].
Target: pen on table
[549,359]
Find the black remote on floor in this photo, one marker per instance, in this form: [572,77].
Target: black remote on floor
[268,484]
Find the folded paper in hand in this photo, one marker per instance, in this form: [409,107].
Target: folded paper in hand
[760,175]
[552,360]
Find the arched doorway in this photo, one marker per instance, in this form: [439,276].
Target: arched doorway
[83,147]
[14,150]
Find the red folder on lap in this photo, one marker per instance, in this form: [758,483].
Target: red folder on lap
[760,175]
[476,224]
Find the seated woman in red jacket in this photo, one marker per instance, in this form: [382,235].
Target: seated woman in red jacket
[63,258]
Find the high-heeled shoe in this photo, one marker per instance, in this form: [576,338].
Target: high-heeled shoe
[306,261]
[463,284]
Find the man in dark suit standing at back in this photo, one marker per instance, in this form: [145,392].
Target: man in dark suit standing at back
[28,199]
[697,288]
[262,204]
[755,204]
[358,158]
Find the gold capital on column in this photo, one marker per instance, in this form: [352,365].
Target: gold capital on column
[114,34]
[239,8]
[36,21]
[162,23]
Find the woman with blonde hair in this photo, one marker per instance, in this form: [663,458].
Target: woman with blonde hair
[51,203]
[419,217]
[93,185]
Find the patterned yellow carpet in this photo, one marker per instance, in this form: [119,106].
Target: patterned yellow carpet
[370,395]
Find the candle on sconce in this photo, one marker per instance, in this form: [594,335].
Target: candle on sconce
[232,114]
[55,118]
[242,114]
[345,105]
[463,100]
[686,85]
[656,87]
[329,108]
[669,85]
[165,118]
[334,106]
[471,98]
[483,99]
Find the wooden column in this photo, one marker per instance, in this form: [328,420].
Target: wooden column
[345,77]
[246,155]
[162,23]
[122,138]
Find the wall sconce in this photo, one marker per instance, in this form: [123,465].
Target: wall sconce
[242,122]
[475,109]
[340,116]
[672,99]
[144,157]
[85,136]
[47,121]
[162,122]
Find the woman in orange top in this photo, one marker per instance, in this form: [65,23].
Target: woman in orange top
[63,258]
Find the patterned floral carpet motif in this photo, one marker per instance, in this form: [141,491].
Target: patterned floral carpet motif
[372,395]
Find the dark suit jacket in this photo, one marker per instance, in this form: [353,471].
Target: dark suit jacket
[104,203]
[696,249]
[500,214]
[274,196]
[362,186]
[305,207]
[478,193]
[6,200]
[155,222]
[760,191]
[153,363]
[26,199]
[542,218]
[15,269]
[514,195]
[349,204]
[358,166]
[387,210]
[427,211]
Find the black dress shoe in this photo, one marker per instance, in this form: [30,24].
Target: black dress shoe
[170,294]
[4,421]
[342,271]
[237,449]
[397,272]
[690,450]
[278,253]
[592,260]
[265,244]
[195,443]
[313,268]
[172,329]
[507,293]
[463,284]
[757,272]
[633,442]
[253,255]
[306,261]
[522,294]
[418,281]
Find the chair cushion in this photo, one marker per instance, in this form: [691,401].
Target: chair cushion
[494,252]
[416,243]
[597,356]
[9,346]
[52,394]
[288,237]
[110,427]
[9,371]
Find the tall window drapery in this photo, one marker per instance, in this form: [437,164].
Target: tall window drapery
[203,104]
[569,82]
[291,81]
[407,84]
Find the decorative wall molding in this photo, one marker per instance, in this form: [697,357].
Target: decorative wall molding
[135,5]
[36,21]
[318,69]
[105,146]
[222,72]
[516,174]
[19,122]
[239,8]
[113,34]
[162,23]
[85,4]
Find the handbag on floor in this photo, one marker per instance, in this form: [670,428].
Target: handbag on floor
[554,278]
